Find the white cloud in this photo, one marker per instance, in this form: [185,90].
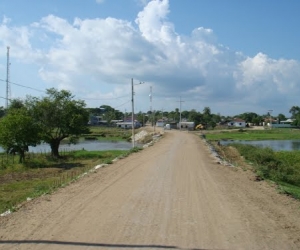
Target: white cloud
[100,1]
[97,57]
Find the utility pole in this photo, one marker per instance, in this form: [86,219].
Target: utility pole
[153,122]
[132,113]
[180,112]
[7,79]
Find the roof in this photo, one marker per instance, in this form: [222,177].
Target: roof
[237,120]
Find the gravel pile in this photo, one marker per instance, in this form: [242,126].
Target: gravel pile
[141,135]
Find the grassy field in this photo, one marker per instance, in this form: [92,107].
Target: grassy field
[281,167]
[42,174]
[250,134]
[108,133]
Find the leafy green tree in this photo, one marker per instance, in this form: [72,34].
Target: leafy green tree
[109,116]
[185,114]
[207,116]
[212,124]
[2,111]
[59,116]
[195,117]
[16,104]
[295,111]
[281,117]
[18,131]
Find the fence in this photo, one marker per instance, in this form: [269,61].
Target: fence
[11,159]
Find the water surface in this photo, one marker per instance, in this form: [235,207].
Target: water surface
[276,145]
[86,145]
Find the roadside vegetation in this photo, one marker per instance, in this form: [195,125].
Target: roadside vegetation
[281,167]
[251,134]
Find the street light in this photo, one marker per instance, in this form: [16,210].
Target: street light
[132,113]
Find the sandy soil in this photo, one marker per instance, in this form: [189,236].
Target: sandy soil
[172,195]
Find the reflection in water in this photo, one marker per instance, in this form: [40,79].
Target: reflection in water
[276,145]
[86,145]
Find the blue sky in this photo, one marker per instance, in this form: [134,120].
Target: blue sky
[232,56]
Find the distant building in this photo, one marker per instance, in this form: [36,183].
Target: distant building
[284,124]
[237,122]
[186,125]
[160,123]
[128,125]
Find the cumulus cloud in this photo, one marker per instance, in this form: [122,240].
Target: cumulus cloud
[89,53]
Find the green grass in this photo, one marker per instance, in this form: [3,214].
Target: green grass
[289,189]
[248,134]
[281,167]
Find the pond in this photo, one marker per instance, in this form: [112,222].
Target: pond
[276,145]
[89,145]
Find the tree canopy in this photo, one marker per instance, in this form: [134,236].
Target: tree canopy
[18,131]
[59,116]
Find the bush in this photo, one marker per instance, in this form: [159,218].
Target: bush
[277,166]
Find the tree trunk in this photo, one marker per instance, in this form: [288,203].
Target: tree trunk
[54,148]
[21,156]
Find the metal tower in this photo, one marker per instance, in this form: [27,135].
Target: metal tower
[8,92]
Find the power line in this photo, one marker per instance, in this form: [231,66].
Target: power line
[20,85]
[4,98]
[88,99]
[122,104]
[97,99]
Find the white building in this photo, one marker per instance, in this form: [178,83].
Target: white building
[237,123]
[186,125]
[160,123]
[128,125]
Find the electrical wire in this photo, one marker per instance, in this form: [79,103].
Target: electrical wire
[20,85]
[87,99]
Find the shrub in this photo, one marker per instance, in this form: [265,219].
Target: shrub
[277,166]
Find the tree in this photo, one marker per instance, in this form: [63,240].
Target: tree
[295,111]
[109,116]
[18,131]
[59,116]
[2,111]
[281,117]
[195,117]
[207,117]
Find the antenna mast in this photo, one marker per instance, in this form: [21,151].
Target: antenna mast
[7,79]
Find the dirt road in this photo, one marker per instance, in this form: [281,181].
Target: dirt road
[170,196]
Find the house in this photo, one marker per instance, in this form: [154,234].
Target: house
[288,121]
[186,125]
[93,120]
[160,123]
[128,125]
[237,122]
[284,124]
